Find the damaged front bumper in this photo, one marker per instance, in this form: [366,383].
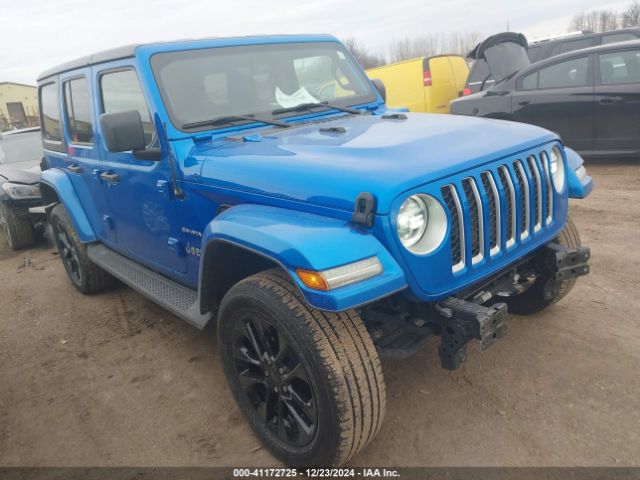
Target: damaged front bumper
[399,328]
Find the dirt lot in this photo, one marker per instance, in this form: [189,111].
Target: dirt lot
[114,380]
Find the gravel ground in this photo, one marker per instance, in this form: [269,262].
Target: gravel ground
[112,379]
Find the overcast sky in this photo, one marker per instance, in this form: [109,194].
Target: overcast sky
[38,34]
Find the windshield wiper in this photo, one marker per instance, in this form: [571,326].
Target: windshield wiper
[310,106]
[230,119]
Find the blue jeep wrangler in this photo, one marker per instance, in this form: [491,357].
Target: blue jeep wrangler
[262,183]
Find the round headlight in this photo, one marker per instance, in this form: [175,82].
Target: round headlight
[412,220]
[422,224]
[557,169]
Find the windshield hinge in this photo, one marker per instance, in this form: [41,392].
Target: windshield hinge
[364,210]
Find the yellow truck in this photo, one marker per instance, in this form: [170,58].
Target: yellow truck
[424,84]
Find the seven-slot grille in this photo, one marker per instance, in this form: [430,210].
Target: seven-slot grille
[501,206]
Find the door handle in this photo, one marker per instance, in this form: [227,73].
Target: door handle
[524,103]
[609,100]
[110,177]
[74,168]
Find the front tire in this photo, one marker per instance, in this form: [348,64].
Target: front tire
[18,230]
[308,382]
[85,275]
[532,301]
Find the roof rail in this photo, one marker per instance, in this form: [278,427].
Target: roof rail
[560,36]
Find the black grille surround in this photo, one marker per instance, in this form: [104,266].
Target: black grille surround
[497,207]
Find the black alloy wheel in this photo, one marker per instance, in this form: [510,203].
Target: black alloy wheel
[68,253]
[274,379]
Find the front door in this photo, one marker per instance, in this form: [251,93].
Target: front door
[618,101]
[559,97]
[141,210]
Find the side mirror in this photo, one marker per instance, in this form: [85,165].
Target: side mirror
[123,132]
[382,90]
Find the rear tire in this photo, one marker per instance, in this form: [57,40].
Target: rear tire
[18,230]
[85,275]
[329,357]
[532,301]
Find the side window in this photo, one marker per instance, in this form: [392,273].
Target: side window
[120,92]
[572,45]
[571,73]
[620,67]
[78,112]
[50,108]
[530,82]
[618,37]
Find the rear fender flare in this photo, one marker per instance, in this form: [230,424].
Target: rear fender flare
[56,187]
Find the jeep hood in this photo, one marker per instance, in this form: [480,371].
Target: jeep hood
[329,163]
[505,54]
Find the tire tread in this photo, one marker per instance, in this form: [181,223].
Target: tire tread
[345,347]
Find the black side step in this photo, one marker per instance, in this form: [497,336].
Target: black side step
[179,300]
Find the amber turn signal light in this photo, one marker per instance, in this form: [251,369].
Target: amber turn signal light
[313,280]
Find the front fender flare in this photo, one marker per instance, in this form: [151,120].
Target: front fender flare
[295,240]
[61,184]
[577,188]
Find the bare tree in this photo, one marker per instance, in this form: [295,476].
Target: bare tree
[428,45]
[362,54]
[631,16]
[605,20]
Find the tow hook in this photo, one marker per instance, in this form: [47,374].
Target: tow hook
[562,263]
[460,321]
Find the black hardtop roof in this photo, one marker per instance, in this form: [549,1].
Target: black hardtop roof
[129,51]
[100,57]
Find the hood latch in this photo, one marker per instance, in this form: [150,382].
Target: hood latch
[364,210]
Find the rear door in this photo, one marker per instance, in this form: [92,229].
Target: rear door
[617,95]
[559,97]
[82,162]
[460,71]
[443,87]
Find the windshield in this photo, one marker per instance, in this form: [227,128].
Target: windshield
[21,147]
[260,80]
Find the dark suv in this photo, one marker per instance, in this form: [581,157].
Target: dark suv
[480,77]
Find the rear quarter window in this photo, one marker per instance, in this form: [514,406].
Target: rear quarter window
[570,46]
[618,37]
